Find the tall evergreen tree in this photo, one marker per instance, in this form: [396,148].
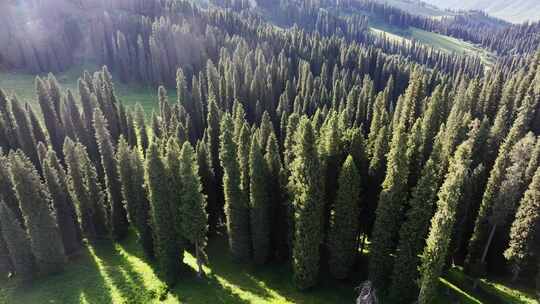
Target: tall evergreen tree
[193,208]
[131,173]
[17,243]
[236,204]
[413,232]
[66,216]
[480,241]
[259,203]
[118,216]
[391,205]
[35,199]
[209,186]
[166,250]
[435,252]
[524,231]
[305,186]
[174,187]
[344,221]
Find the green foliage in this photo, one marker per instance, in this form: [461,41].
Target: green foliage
[193,209]
[118,216]
[305,186]
[236,203]
[165,242]
[524,229]
[413,232]
[35,199]
[131,174]
[66,217]
[260,208]
[17,243]
[442,223]
[344,221]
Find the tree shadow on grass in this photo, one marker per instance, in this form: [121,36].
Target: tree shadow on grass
[127,263]
[80,280]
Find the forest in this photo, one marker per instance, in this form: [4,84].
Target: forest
[284,136]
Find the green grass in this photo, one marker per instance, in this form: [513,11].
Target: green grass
[118,273]
[22,84]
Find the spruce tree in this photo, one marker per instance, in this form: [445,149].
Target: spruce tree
[17,243]
[35,199]
[344,221]
[236,204]
[131,173]
[442,223]
[413,232]
[209,186]
[193,209]
[118,217]
[165,246]
[305,186]
[66,216]
[524,229]
[280,209]
[389,211]
[259,203]
[175,186]
[23,129]
[83,186]
[480,241]
[7,192]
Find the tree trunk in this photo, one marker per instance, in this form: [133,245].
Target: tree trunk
[486,249]
[199,262]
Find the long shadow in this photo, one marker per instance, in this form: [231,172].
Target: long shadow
[80,279]
[129,283]
[239,274]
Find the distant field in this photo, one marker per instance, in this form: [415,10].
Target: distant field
[441,42]
[22,84]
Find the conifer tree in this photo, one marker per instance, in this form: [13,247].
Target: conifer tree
[243,143]
[85,191]
[131,173]
[280,211]
[66,217]
[524,229]
[413,232]
[50,116]
[24,133]
[344,221]
[435,252]
[305,186]
[17,243]
[140,129]
[165,245]
[35,199]
[236,204]
[209,186]
[193,208]
[259,203]
[480,241]
[118,217]
[7,192]
[391,205]
[175,186]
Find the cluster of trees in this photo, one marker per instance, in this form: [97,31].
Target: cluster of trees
[300,145]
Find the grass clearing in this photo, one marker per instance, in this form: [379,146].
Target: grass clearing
[119,273]
[22,84]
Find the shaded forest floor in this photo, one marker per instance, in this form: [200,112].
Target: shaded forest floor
[119,273]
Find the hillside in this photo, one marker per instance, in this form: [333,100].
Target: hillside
[516,11]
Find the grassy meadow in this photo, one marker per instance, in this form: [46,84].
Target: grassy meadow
[119,273]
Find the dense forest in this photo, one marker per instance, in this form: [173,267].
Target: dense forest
[296,132]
